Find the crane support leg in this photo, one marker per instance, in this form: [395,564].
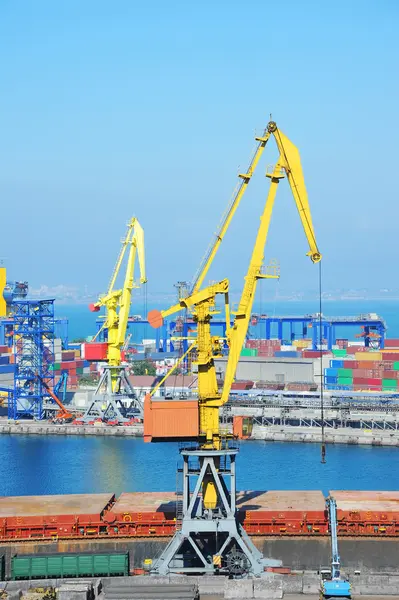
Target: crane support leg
[208,538]
[114,398]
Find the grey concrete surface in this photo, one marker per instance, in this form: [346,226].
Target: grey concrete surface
[44,428]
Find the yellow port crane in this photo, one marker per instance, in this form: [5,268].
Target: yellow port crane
[221,537]
[114,385]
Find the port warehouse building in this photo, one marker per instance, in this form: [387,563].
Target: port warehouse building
[280,370]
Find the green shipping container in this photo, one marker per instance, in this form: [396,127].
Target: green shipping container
[396,365]
[345,380]
[389,384]
[47,566]
[345,373]
[339,352]
[249,352]
[79,370]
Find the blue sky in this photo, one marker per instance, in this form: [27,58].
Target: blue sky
[113,109]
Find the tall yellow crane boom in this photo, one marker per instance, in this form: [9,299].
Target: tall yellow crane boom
[117,302]
[289,164]
[245,178]
[202,302]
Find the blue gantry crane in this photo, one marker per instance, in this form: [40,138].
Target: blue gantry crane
[372,325]
[34,357]
[334,587]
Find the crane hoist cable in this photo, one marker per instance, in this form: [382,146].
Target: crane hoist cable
[323,445]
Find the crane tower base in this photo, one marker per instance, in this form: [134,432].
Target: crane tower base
[210,540]
[119,405]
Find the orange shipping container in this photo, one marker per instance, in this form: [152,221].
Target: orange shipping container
[170,419]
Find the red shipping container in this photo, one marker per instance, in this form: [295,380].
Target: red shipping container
[350,364]
[3,349]
[394,356]
[95,351]
[374,381]
[363,373]
[266,352]
[66,365]
[354,349]
[391,343]
[377,373]
[361,381]
[242,385]
[388,375]
[80,364]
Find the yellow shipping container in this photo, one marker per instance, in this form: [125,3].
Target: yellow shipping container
[389,350]
[363,356]
[77,353]
[301,343]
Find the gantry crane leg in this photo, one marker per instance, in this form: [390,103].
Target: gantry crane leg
[208,539]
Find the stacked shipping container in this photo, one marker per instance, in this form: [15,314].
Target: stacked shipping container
[365,369]
[71,361]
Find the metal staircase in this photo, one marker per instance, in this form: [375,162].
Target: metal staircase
[179,497]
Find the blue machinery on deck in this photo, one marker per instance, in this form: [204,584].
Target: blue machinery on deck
[334,586]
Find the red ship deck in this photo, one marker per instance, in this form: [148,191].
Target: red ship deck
[283,512]
[367,513]
[153,514]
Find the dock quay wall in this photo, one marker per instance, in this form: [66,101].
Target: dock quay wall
[342,435]
[366,555]
[45,428]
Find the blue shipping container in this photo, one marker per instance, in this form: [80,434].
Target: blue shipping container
[287,354]
[337,364]
[7,369]
[331,380]
[331,372]
[5,359]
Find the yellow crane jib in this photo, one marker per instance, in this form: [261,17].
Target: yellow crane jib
[117,302]
[202,302]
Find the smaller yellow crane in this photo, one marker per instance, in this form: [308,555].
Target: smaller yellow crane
[114,388]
